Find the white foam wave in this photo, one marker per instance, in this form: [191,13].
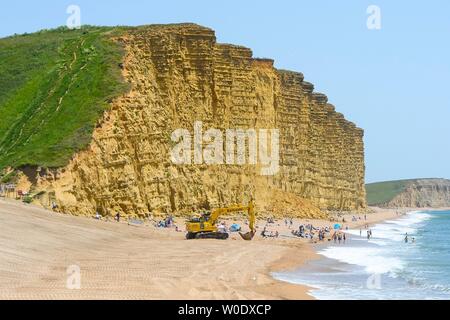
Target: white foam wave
[379,242]
[412,218]
[372,259]
[394,230]
[379,258]
[385,254]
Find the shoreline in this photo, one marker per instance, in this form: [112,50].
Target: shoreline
[382,215]
[287,263]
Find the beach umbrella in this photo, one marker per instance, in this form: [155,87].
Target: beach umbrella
[235,227]
[337,226]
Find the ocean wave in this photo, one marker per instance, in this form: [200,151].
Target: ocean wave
[407,271]
[412,217]
[379,242]
[378,256]
[394,230]
[373,260]
[439,287]
[419,281]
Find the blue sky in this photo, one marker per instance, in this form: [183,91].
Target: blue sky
[392,82]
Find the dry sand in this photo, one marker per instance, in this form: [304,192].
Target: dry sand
[118,261]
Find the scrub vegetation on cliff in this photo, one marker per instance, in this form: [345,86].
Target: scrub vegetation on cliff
[54,86]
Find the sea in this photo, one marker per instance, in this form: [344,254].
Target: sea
[386,267]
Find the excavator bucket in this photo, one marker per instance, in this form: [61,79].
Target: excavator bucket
[247,236]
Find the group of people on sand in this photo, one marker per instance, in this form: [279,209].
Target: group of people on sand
[321,234]
[269,234]
[308,231]
[266,233]
[98,216]
[168,222]
[355,219]
[304,231]
[288,222]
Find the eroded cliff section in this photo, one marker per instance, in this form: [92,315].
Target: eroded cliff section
[179,74]
[422,193]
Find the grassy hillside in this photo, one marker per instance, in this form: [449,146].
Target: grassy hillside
[382,192]
[54,86]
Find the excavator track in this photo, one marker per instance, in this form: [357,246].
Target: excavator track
[208,235]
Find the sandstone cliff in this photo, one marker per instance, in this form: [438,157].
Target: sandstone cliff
[179,74]
[421,193]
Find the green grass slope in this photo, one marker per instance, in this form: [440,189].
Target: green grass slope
[383,192]
[54,86]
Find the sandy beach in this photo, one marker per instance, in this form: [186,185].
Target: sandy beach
[121,261]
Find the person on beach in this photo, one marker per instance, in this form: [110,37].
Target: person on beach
[406,238]
[334,237]
[263,233]
[360,232]
[344,237]
[117,217]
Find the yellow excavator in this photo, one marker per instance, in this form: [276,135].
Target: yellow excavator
[204,227]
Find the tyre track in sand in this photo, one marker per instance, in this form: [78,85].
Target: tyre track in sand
[122,262]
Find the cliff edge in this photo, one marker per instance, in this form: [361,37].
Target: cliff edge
[179,75]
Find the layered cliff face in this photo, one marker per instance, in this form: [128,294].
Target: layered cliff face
[420,193]
[179,74]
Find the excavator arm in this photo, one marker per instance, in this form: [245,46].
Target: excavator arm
[250,209]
